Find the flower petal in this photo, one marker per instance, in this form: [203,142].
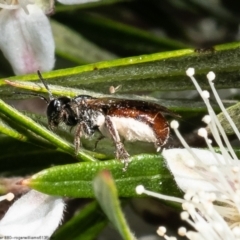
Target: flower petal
[70,2]
[34,214]
[179,162]
[26,40]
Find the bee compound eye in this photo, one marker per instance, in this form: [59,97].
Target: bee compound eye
[57,105]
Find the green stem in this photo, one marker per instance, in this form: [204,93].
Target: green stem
[41,131]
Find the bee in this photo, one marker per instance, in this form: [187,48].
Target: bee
[117,119]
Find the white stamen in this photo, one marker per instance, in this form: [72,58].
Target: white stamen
[215,133]
[182,140]
[161,231]
[205,94]
[209,141]
[9,197]
[182,231]
[219,126]
[140,189]
[202,132]
[184,215]
[174,124]
[206,119]
[171,238]
[213,212]
[233,125]
[185,206]
[190,72]
[190,208]
[211,76]
[188,195]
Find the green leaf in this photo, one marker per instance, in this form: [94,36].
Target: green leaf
[41,131]
[160,71]
[75,180]
[86,4]
[186,107]
[8,130]
[21,158]
[11,128]
[67,46]
[85,225]
[121,38]
[234,113]
[107,196]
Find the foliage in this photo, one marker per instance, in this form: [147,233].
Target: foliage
[111,43]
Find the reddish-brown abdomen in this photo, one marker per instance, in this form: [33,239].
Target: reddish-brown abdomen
[155,120]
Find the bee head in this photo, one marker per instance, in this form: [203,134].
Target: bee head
[56,111]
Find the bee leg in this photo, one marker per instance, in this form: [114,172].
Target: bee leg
[122,155]
[159,146]
[82,128]
[77,141]
[121,152]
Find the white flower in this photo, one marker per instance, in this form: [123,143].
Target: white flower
[26,36]
[34,214]
[69,2]
[210,180]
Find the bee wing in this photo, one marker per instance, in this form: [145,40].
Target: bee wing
[108,103]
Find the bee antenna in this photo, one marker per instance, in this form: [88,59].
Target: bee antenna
[45,85]
[33,94]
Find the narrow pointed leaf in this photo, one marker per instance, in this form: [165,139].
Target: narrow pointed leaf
[234,112]
[75,180]
[85,225]
[8,130]
[11,128]
[87,53]
[122,38]
[84,4]
[160,71]
[179,105]
[41,131]
[107,196]
[21,158]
